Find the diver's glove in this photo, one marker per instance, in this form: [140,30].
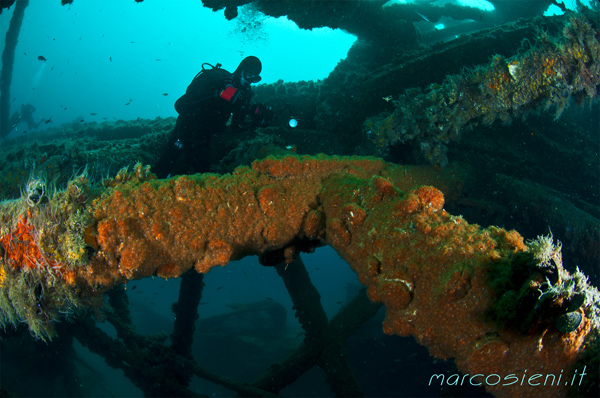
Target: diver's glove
[262,115]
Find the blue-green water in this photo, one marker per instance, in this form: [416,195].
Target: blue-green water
[93,62]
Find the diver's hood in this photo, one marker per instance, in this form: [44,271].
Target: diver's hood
[249,70]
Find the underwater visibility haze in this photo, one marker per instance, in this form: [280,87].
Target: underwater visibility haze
[299,198]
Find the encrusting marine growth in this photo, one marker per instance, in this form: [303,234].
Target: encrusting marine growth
[457,288]
[551,74]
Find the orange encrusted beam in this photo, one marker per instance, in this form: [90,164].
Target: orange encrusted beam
[480,296]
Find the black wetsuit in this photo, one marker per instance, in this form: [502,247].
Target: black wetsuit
[203,113]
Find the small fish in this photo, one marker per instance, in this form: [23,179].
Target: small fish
[158,59]
[128,103]
[51,69]
[110,58]
[24,131]
[269,298]
[339,302]
[388,98]
[93,114]
[132,42]
[134,287]
[165,94]
[42,58]
[423,16]
[220,287]
[49,120]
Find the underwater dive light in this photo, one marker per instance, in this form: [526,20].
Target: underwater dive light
[293,122]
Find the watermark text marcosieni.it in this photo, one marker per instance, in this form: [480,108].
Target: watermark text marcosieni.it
[523,379]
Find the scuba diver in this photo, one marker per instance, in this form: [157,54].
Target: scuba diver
[211,98]
[26,115]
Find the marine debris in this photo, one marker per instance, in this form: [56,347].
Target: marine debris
[453,286]
[551,74]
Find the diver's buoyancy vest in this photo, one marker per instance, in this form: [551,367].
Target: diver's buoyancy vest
[207,85]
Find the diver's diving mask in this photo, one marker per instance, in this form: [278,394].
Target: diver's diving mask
[250,77]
